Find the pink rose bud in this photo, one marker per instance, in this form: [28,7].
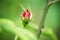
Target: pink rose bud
[26,15]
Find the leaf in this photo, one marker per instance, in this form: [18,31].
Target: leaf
[48,32]
[32,27]
[9,26]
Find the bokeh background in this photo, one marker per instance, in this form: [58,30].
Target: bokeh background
[12,10]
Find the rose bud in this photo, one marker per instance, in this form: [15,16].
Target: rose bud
[26,17]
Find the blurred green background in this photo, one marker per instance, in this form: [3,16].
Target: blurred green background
[11,9]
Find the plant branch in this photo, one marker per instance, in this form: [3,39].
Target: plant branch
[41,25]
[53,2]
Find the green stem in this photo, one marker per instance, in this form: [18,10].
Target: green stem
[42,20]
[48,4]
[24,24]
[16,37]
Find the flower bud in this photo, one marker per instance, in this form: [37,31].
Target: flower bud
[26,17]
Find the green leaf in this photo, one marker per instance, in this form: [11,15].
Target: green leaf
[32,27]
[48,32]
[9,26]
